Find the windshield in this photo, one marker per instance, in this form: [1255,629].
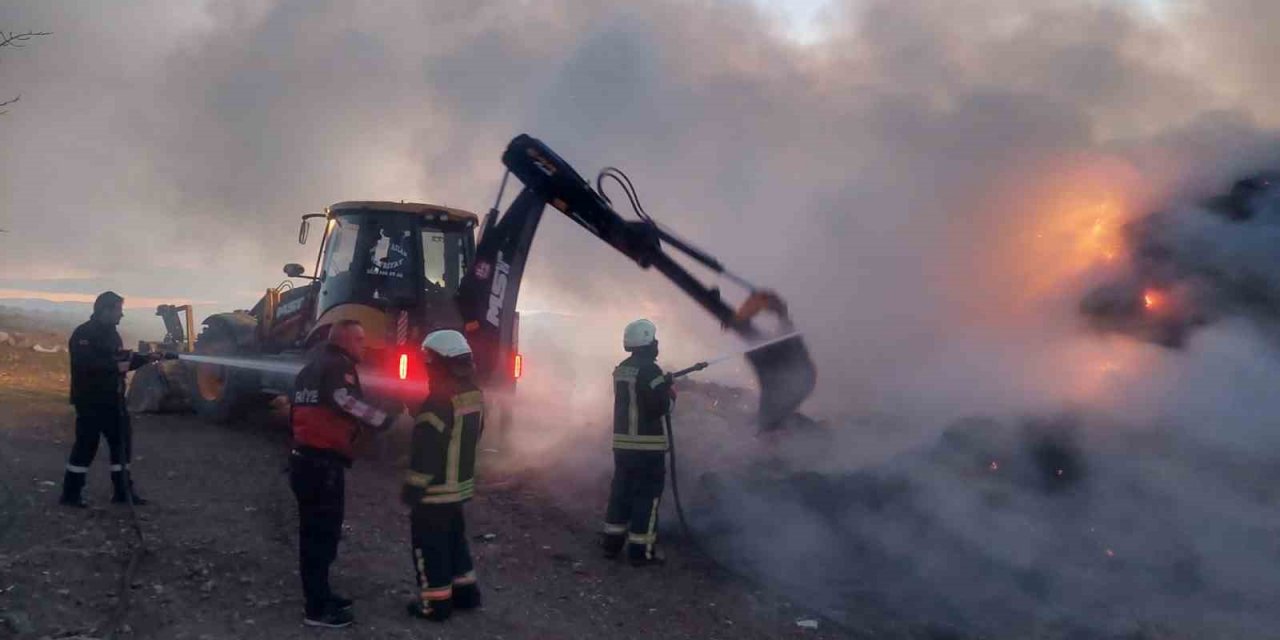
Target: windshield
[371,258]
[374,257]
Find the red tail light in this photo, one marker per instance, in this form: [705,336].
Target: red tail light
[518,366]
[404,366]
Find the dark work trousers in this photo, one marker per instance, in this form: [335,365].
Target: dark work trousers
[441,555]
[93,423]
[639,478]
[319,485]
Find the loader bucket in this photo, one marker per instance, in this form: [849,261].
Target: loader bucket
[787,376]
[783,367]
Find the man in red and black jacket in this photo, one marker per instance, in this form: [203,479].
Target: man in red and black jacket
[326,416]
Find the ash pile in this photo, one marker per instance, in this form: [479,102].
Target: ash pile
[1056,526]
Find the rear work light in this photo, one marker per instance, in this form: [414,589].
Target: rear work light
[517,367]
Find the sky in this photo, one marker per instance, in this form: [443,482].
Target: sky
[915,177]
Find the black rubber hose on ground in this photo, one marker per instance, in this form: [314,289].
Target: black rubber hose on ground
[8,509]
[116,624]
[675,486]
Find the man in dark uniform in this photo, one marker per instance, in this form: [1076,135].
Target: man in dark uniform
[441,478]
[99,363]
[642,398]
[326,416]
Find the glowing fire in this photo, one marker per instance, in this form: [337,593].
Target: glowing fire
[1072,236]
[1102,241]
[1152,300]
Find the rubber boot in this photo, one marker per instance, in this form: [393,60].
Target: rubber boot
[434,610]
[639,556]
[466,596]
[72,490]
[612,544]
[119,495]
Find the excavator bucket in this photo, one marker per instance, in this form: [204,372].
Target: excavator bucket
[784,370]
[786,375]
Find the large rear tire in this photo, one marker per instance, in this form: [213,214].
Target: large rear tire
[219,393]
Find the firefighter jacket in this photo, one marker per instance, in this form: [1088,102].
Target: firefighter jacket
[641,399]
[98,365]
[327,407]
[442,462]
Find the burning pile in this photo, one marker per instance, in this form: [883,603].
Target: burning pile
[1196,264]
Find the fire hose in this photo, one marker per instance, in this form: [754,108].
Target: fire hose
[675,484]
[671,437]
[116,623]
[671,451]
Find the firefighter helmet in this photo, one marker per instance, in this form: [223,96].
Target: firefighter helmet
[447,343]
[640,333]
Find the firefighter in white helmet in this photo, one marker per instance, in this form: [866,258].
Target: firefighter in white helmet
[441,477]
[642,398]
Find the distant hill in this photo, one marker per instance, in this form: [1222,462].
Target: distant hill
[56,320]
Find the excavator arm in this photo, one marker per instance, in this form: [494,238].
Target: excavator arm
[488,294]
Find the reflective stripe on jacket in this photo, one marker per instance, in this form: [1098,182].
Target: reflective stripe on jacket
[327,406]
[641,398]
[442,463]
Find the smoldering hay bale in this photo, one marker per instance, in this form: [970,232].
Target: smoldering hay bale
[160,387]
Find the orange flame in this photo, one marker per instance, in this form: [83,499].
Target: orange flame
[1072,237]
[1152,299]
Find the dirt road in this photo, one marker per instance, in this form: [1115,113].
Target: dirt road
[221,536]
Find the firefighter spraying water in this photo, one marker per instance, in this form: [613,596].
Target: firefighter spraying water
[643,436]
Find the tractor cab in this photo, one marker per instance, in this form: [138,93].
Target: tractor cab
[395,257]
[395,267]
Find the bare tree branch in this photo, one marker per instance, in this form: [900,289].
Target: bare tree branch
[14,39]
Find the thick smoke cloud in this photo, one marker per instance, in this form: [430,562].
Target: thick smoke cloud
[881,178]
[932,185]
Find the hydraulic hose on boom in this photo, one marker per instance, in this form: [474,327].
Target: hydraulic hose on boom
[783,367]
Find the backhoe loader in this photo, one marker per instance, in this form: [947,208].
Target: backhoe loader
[404,270]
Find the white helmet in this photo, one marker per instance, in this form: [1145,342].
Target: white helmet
[640,333]
[447,343]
